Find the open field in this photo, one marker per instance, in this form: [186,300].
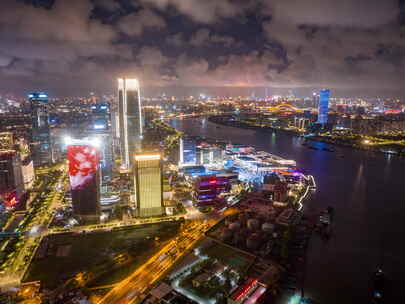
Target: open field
[107,256]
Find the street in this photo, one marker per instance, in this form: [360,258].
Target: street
[133,288]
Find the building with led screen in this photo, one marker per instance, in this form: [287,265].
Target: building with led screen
[83,158]
[323,107]
[40,133]
[148,185]
[130,119]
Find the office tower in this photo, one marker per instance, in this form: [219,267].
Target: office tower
[323,106]
[83,158]
[115,126]
[105,155]
[6,141]
[28,172]
[100,117]
[130,119]
[148,184]
[40,133]
[11,179]
[315,99]
[188,151]
[100,129]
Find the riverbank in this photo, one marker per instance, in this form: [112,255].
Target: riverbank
[355,142]
[365,191]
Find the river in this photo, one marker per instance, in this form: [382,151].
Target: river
[367,191]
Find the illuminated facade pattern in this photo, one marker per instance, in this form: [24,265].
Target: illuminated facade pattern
[130,119]
[148,185]
[41,139]
[323,107]
[188,151]
[84,179]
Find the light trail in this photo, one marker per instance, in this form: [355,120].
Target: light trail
[131,289]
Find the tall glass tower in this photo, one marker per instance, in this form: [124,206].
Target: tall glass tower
[323,106]
[148,180]
[130,119]
[188,151]
[40,133]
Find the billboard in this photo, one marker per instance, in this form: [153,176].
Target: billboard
[84,179]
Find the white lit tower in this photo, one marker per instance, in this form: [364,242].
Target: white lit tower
[130,120]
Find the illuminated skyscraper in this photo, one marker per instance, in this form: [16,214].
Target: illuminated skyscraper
[130,119]
[100,117]
[148,185]
[83,158]
[16,171]
[323,106]
[40,133]
[11,179]
[100,129]
[188,151]
[6,141]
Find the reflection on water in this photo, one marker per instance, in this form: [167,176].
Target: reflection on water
[367,191]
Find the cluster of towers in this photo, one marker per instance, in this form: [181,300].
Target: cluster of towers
[91,158]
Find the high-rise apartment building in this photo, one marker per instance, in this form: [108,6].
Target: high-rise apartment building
[11,178]
[83,158]
[40,133]
[148,185]
[323,106]
[130,119]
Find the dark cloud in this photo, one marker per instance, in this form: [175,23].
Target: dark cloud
[204,37]
[207,11]
[134,24]
[230,43]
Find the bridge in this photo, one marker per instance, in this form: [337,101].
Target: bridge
[284,107]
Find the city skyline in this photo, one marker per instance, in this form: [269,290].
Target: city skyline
[201,151]
[355,46]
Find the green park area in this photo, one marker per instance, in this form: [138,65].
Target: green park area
[98,258]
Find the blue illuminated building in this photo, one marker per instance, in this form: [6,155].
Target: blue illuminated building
[40,132]
[188,151]
[323,107]
[193,170]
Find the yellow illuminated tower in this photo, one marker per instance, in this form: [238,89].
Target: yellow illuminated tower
[148,185]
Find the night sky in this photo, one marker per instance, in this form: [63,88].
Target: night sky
[75,46]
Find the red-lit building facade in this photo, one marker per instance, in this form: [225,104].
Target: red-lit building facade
[84,181]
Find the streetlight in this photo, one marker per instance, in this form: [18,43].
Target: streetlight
[366,141]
